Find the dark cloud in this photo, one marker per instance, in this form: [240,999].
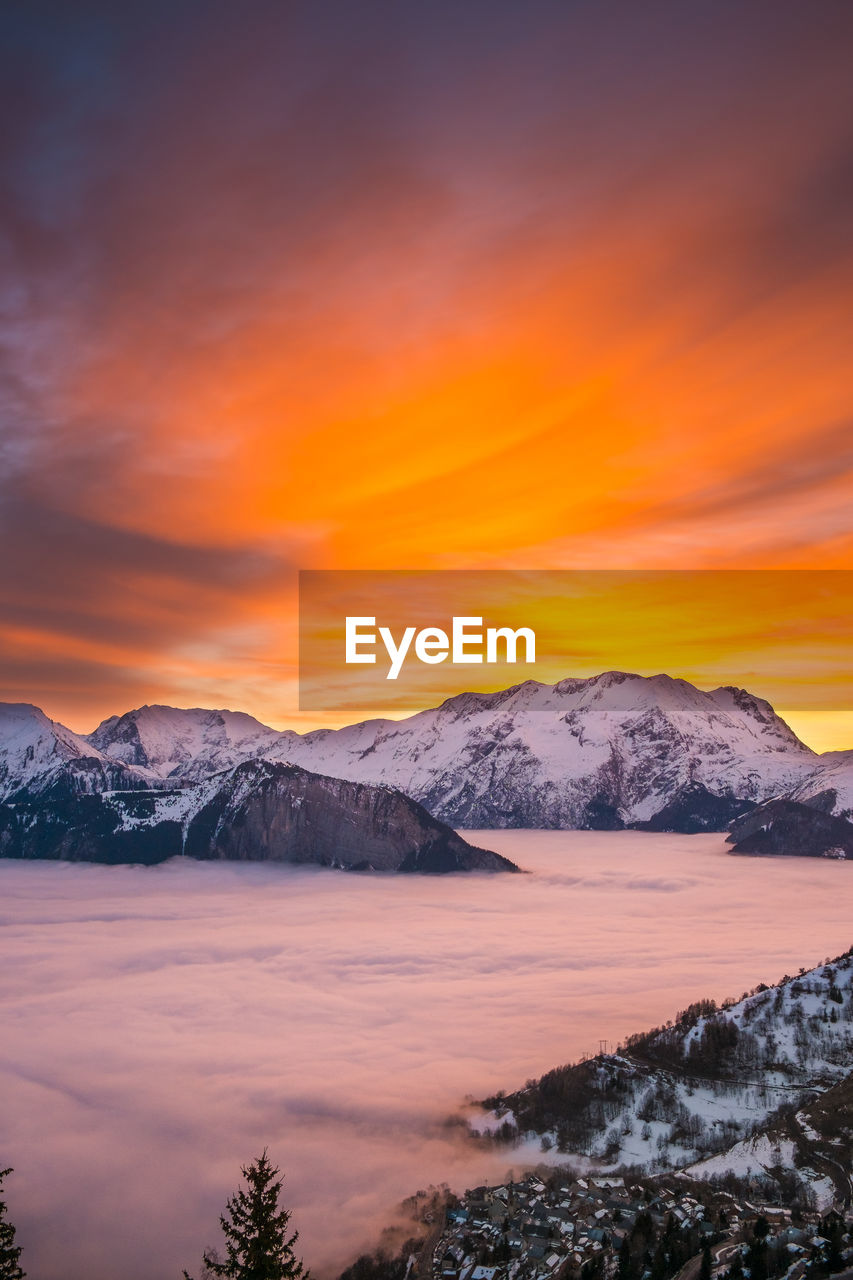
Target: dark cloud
[811,229]
[80,577]
[783,232]
[182,160]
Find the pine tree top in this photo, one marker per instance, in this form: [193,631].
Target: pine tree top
[258,1245]
[10,1253]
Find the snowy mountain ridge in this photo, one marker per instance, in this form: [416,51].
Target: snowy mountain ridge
[607,752]
[38,756]
[169,742]
[830,788]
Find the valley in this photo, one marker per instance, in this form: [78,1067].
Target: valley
[341,1020]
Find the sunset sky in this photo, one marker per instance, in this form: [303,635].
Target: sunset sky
[361,285]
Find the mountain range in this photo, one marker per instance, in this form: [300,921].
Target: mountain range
[612,751]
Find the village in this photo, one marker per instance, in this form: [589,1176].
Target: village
[553,1226]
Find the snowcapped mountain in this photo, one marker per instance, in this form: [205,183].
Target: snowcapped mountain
[612,751]
[39,757]
[166,742]
[606,752]
[257,811]
[717,1089]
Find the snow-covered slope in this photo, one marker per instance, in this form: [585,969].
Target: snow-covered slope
[40,757]
[703,1086]
[168,742]
[761,1157]
[609,751]
[812,1146]
[830,787]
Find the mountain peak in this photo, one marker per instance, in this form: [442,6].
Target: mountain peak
[21,712]
[169,742]
[38,756]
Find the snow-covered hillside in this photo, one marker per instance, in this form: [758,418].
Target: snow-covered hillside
[40,757]
[167,742]
[704,1086]
[609,751]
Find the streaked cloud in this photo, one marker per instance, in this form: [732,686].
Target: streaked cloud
[430,287]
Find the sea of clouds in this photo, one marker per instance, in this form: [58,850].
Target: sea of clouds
[160,1026]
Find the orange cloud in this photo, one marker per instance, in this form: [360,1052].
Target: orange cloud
[544,296]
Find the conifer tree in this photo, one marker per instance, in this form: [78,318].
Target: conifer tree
[257,1244]
[706,1265]
[624,1269]
[9,1251]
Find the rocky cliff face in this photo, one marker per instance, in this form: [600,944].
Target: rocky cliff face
[284,813]
[259,811]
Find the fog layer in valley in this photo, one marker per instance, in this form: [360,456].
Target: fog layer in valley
[161,1025]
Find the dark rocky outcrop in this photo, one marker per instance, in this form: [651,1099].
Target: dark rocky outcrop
[283,813]
[258,811]
[786,827]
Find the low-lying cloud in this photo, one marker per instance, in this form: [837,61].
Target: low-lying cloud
[163,1025]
